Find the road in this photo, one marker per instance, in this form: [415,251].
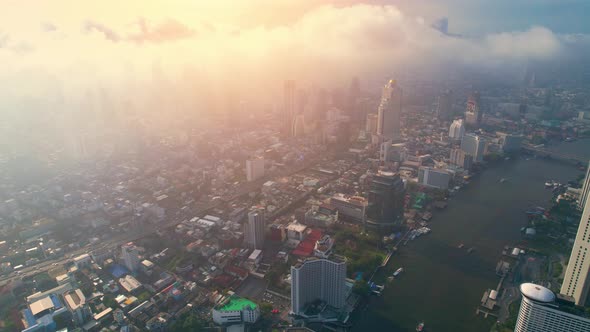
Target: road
[244,189]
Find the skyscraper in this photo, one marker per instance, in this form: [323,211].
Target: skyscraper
[457,130]
[460,158]
[318,279]
[539,313]
[576,280]
[289,107]
[473,113]
[585,190]
[474,146]
[130,255]
[254,169]
[388,122]
[386,198]
[254,229]
[444,109]
[371,123]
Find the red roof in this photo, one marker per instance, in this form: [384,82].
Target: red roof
[305,247]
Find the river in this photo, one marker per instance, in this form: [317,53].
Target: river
[442,285]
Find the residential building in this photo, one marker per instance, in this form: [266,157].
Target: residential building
[386,198]
[76,304]
[474,146]
[388,116]
[585,190]
[539,312]
[255,229]
[350,208]
[576,281]
[254,169]
[235,310]
[473,112]
[318,279]
[461,159]
[323,247]
[457,130]
[432,177]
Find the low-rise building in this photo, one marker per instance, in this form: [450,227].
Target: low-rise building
[234,310]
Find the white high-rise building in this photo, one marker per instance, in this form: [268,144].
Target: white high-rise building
[474,146]
[130,254]
[539,313]
[254,229]
[388,116]
[576,280]
[457,130]
[254,169]
[585,190]
[318,279]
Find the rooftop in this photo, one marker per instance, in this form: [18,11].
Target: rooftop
[237,304]
[537,293]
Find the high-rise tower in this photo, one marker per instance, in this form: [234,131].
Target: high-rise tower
[473,113]
[289,107]
[388,116]
[254,229]
[576,280]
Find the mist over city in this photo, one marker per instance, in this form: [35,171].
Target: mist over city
[294,165]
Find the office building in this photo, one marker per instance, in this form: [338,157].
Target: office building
[474,146]
[444,109]
[289,107]
[131,257]
[318,279]
[235,310]
[540,313]
[585,190]
[255,229]
[388,116]
[254,169]
[460,158]
[457,130]
[436,178]
[350,208]
[386,198]
[576,280]
[473,113]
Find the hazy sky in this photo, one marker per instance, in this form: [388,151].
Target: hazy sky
[70,45]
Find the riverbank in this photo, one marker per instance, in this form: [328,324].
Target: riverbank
[442,284]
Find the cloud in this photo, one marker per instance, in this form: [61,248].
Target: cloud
[108,33]
[48,27]
[170,30]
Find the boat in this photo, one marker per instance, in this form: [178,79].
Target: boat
[420,327]
[460,246]
[502,180]
[398,271]
[470,250]
[549,184]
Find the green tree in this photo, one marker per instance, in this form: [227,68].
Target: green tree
[361,288]
[189,322]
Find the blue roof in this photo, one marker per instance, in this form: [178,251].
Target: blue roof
[118,270]
[55,300]
[28,315]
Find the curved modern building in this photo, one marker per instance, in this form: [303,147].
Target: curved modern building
[318,279]
[539,313]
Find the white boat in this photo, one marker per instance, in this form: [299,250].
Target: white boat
[398,271]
